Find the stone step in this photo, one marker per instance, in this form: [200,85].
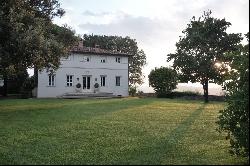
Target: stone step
[88,95]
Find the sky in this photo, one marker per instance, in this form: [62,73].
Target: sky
[155,24]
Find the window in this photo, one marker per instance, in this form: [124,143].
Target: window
[103,80]
[69,81]
[52,81]
[103,59]
[66,58]
[118,59]
[86,59]
[86,82]
[117,80]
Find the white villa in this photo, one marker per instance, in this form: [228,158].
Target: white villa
[82,69]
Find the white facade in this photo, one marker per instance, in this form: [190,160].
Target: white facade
[109,71]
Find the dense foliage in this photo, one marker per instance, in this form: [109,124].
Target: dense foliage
[132,90]
[202,49]
[235,118]
[29,38]
[163,80]
[124,45]
[15,81]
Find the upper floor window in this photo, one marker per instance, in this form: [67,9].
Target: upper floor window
[69,81]
[103,59]
[86,59]
[118,81]
[103,80]
[66,58]
[52,80]
[118,59]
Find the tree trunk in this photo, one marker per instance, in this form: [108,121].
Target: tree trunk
[36,76]
[205,88]
[5,85]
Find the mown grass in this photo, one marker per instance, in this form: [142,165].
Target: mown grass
[114,131]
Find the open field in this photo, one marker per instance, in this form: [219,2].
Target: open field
[112,131]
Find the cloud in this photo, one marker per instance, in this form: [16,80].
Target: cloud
[156,25]
[156,36]
[144,29]
[236,12]
[95,14]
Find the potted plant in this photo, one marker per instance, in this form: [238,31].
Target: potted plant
[96,86]
[78,85]
[78,88]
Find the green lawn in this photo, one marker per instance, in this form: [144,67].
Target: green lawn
[111,131]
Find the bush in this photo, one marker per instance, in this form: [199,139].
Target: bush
[185,93]
[28,84]
[78,85]
[96,85]
[163,80]
[132,91]
[235,121]
[235,118]
[26,94]
[15,82]
[178,94]
[27,87]
[140,93]
[164,95]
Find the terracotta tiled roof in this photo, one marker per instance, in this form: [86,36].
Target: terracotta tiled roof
[94,50]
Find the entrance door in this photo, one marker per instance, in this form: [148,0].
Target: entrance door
[86,83]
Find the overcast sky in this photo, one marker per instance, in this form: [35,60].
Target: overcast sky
[155,24]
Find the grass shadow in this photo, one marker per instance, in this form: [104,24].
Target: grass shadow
[167,148]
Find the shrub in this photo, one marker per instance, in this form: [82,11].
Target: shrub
[185,93]
[132,91]
[96,85]
[78,85]
[29,83]
[27,87]
[235,118]
[163,80]
[16,81]
[140,93]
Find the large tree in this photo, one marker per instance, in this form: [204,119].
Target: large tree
[125,45]
[235,118]
[200,54]
[29,38]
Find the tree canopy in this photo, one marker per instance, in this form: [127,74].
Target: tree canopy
[124,45]
[28,36]
[235,118]
[202,49]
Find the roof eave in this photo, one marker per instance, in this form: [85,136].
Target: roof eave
[101,53]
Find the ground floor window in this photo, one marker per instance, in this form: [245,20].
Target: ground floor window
[117,80]
[52,80]
[69,81]
[86,59]
[86,82]
[118,59]
[103,80]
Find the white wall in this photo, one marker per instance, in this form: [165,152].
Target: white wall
[94,68]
